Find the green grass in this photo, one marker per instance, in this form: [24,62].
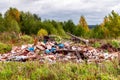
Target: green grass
[59,71]
[5,48]
[96,45]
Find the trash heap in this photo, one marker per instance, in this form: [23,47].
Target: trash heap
[109,47]
[52,52]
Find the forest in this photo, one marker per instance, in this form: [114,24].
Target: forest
[15,21]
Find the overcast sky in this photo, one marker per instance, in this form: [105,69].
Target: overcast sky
[62,10]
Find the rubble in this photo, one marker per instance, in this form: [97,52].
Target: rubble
[109,48]
[52,52]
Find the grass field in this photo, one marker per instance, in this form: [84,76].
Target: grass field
[59,71]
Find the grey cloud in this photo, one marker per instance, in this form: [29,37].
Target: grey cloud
[75,16]
[61,10]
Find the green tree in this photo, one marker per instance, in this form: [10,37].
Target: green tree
[59,27]
[49,27]
[11,25]
[100,32]
[114,24]
[111,25]
[11,20]
[13,13]
[69,26]
[2,27]
[29,23]
[80,31]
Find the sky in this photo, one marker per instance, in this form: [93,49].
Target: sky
[62,10]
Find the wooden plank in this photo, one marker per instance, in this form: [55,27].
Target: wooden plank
[81,39]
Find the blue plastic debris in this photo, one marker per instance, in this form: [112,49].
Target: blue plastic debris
[61,45]
[53,49]
[47,51]
[31,49]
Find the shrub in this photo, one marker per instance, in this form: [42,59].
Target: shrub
[5,48]
[115,43]
[96,44]
[42,33]
[27,39]
[5,37]
[55,37]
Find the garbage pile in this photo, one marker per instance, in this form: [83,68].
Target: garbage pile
[109,47]
[52,52]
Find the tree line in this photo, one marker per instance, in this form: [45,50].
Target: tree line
[31,24]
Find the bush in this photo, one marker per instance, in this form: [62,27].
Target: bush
[96,45]
[42,33]
[27,39]
[5,36]
[5,48]
[115,43]
[55,37]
